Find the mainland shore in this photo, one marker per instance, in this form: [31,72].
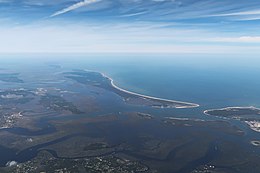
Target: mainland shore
[181,104]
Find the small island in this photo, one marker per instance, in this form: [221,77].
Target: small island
[255,143]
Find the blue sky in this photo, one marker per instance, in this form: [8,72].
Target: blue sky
[139,26]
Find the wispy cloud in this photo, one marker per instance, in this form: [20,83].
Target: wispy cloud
[136,38]
[134,14]
[239,15]
[74,7]
[242,39]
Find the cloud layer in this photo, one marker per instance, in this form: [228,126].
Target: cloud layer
[129,25]
[144,10]
[125,38]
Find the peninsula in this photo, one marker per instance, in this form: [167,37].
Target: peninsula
[233,111]
[103,81]
[249,115]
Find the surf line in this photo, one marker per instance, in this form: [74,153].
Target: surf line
[187,104]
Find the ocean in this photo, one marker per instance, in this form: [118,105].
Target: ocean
[213,81]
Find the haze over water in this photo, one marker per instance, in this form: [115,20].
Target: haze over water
[209,80]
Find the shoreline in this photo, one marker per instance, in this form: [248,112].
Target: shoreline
[226,108]
[255,143]
[190,105]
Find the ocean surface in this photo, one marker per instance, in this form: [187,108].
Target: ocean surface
[213,81]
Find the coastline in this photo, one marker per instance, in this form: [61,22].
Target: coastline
[190,105]
[254,124]
[227,108]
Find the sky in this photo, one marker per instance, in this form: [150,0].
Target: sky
[130,26]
